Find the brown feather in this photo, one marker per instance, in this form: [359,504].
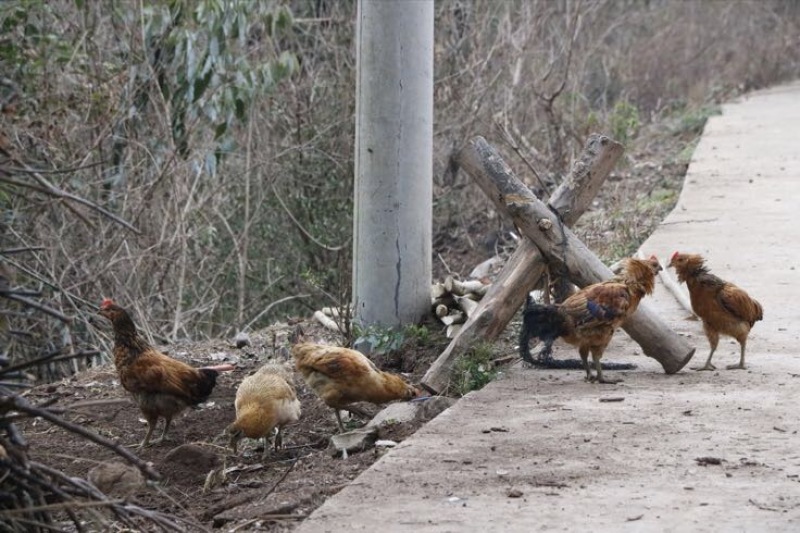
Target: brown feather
[723,307]
[161,385]
[341,376]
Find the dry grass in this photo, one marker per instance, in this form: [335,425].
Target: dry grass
[218,244]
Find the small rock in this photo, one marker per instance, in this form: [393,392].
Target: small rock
[705,461]
[218,356]
[241,340]
[433,407]
[353,441]
[189,463]
[385,444]
[514,493]
[115,478]
[395,413]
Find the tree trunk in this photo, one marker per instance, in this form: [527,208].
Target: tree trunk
[564,251]
[526,266]
[393,162]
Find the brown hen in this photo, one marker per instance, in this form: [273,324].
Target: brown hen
[341,377]
[724,308]
[162,386]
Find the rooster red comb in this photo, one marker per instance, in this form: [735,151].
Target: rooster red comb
[674,255]
[106,303]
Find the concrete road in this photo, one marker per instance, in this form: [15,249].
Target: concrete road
[696,451]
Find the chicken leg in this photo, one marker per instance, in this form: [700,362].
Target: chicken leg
[163,436]
[741,365]
[584,351]
[339,420]
[151,425]
[713,340]
[597,354]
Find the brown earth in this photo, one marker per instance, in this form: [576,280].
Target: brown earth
[288,484]
[206,485]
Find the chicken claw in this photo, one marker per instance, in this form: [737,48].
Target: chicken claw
[707,366]
[738,366]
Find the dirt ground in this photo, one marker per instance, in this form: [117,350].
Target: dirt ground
[278,493]
[269,494]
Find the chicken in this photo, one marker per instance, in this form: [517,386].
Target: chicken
[341,376]
[161,385]
[724,308]
[265,401]
[588,318]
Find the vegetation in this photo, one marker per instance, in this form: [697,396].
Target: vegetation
[193,159]
[474,370]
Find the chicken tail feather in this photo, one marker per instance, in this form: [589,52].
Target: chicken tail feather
[543,322]
[201,388]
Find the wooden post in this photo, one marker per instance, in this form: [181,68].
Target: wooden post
[564,251]
[526,266]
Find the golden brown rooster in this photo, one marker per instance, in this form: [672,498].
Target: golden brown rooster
[588,318]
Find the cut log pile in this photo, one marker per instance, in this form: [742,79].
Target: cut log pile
[454,301]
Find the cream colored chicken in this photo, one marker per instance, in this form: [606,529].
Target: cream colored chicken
[265,402]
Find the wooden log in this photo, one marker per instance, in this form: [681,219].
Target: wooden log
[564,251]
[437,291]
[326,321]
[455,317]
[453,329]
[462,288]
[467,305]
[526,266]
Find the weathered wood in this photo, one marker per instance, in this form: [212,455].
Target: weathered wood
[526,266]
[462,288]
[326,321]
[564,251]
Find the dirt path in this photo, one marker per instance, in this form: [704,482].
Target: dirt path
[541,450]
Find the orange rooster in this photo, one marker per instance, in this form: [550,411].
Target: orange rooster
[161,385]
[265,401]
[588,318]
[341,376]
[723,307]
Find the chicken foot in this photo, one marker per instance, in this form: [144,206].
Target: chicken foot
[597,354]
[707,366]
[741,365]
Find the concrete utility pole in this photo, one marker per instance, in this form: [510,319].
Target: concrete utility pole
[393,161]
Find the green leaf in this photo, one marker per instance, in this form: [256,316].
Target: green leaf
[284,19]
[220,130]
[241,109]
[201,84]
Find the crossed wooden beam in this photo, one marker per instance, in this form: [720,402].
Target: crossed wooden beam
[547,240]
